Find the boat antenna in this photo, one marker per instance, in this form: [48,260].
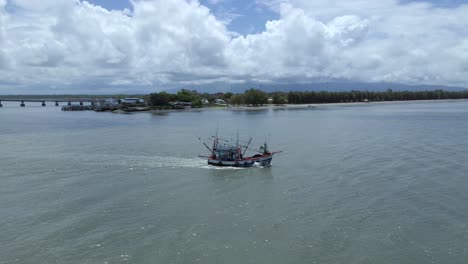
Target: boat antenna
[245,150]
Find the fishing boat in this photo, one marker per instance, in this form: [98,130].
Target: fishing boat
[229,154]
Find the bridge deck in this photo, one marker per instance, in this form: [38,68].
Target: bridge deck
[89,100]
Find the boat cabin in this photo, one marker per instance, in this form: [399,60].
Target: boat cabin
[227,153]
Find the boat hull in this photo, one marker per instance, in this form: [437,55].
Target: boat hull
[264,160]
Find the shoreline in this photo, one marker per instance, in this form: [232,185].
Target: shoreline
[275,107]
[297,106]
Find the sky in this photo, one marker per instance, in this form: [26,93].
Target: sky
[136,46]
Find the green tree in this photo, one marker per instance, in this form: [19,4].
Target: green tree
[279,98]
[227,96]
[197,102]
[186,95]
[237,99]
[255,97]
[159,99]
[189,96]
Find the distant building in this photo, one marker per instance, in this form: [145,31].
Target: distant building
[204,101]
[219,101]
[107,104]
[132,101]
[181,105]
[110,102]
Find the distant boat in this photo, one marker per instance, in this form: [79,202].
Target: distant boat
[229,154]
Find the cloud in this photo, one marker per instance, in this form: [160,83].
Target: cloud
[159,44]
[70,42]
[297,45]
[416,43]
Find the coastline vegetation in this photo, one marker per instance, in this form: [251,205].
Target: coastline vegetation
[163,100]
[255,97]
[364,96]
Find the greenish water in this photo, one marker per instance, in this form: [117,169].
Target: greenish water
[375,183]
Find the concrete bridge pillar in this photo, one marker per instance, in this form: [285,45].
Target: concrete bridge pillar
[43,103]
[81,102]
[56,103]
[69,103]
[22,104]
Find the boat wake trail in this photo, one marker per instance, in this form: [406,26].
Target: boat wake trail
[136,161]
[161,162]
[171,162]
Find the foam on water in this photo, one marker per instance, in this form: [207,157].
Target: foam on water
[137,161]
[170,162]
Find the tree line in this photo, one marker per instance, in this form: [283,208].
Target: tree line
[362,96]
[162,99]
[256,97]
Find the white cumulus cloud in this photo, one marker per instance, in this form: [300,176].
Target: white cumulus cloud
[74,46]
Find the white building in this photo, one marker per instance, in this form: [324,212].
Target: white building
[220,101]
[132,101]
[110,102]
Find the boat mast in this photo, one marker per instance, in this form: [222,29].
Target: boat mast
[245,150]
[216,141]
[238,150]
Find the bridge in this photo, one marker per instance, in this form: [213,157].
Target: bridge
[69,101]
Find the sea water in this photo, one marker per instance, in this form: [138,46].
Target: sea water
[356,183]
